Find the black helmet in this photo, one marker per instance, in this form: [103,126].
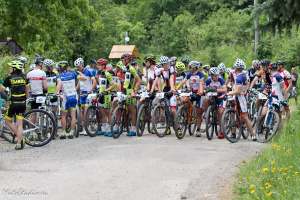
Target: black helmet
[274,66]
[279,62]
[265,63]
[93,61]
[62,65]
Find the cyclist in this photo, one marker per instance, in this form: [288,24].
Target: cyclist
[180,73]
[252,70]
[66,83]
[18,85]
[150,65]
[23,60]
[224,72]
[194,80]
[287,85]
[106,85]
[206,71]
[130,86]
[93,67]
[166,73]
[217,84]
[239,90]
[294,75]
[87,83]
[38,83]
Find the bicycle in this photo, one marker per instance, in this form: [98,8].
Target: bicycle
[162,114]
[211,115]
[269,124]
[121,121]
[36,134]
[144,113]
[186,116]
[231,123]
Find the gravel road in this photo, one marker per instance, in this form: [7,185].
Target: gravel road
[138,168]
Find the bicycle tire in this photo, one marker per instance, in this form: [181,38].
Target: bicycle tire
[118,121]
[43,143]
[141,123]
[265,131]
[90,117]
[193,126]
[229,118]
[208,123]
[156,115]
[181,120]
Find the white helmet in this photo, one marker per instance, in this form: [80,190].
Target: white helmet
[164,60]
[214,71]
[240,64]
[32,66]
[22,59]
[78,62]
[222,67]
[48,62]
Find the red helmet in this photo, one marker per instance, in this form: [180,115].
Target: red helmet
[102,61]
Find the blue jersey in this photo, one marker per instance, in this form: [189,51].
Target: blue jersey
[214,84]
[86,85]
[242,80]
[68,81]
[194,80]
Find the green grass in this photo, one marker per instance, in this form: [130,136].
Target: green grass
[275,173]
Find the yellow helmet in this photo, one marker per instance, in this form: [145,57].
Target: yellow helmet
[16,64]
[180,67]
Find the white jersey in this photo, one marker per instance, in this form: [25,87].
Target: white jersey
[36,78]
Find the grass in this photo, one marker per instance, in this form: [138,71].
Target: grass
[275,173]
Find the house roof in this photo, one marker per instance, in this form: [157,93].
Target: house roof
[118,50]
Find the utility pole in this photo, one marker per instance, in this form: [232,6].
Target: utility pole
[256,30]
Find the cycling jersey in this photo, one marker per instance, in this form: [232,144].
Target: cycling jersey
[16,82]
[36,78]
[251,73]
[151,75]
[68,81]
[194,80]
[92,70]
[277,83]
[241,80]
[86,85]
[210,83]
[224,76]
[286,77]
[166,75]
[51,81]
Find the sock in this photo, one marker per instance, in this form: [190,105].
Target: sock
[133,128]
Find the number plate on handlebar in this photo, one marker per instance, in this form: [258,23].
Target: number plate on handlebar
[160,95]
[212,94]
[185,94]
[262,96]
[40,99]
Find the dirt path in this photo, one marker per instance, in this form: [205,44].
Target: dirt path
[127,168]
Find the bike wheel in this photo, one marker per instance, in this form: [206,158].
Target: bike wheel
[193,124]
[91,124]
[266,133]
[159,120]
[141,120]
[181,121]
[40,133]
[117,123]
[230,125]
[210,123]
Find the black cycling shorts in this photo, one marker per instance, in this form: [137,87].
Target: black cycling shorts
[35,105]
[16,109]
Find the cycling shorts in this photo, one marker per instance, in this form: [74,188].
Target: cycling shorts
[83,99]
[16,109]
[69,102]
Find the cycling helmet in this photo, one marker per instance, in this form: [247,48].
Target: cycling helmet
[48,62]
[126,56]
[280,62]
[150,58]
[22,59]
[102,61]
[239,64]
[16,64]
[274,66]
[255,63]
[120,65]
[222,68]
[180,66]
[214,71]
[38,60]
[206,67]
[185,60]
[63,64]
[265,63]
[173,60]
[93,61]
[164,60]
[133,62]
[195,64]
[78,62]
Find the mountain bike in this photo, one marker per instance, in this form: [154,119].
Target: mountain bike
[211,115]
[144,113]
[186,115]
[162,117]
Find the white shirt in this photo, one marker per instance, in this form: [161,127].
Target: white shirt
[36,78]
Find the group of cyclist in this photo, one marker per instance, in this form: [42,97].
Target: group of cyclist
[72,85]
